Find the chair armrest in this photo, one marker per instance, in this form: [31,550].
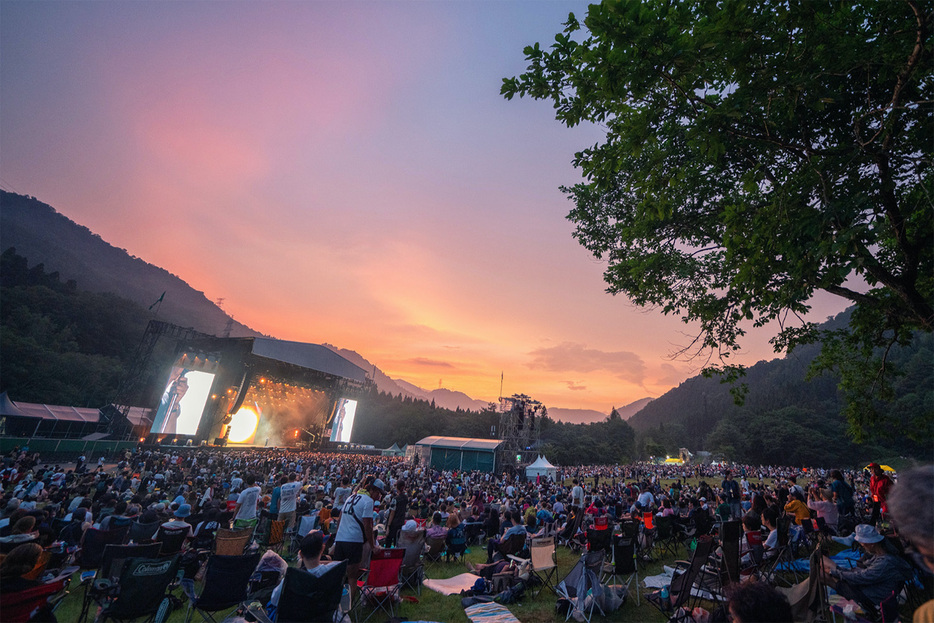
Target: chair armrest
[518,559]
[257,612]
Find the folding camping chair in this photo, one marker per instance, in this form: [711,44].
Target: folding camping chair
[666,537]
[225,585]
[472,532]
[624,563]
[143,590]
[413,571]
[543,562]
[143,532]
[98,586]
[381,586]
[274,537]
[680,588]
[20,606]
[93,544]
[567,536]
[435,550]
[456,543]
[581,586]
[172,540]
[307,597]
[229,542]
[513,545]
[599,539]
[306,524]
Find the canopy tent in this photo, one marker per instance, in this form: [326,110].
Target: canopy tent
[541,467]
[674,461]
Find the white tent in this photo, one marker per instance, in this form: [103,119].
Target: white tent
[541,467]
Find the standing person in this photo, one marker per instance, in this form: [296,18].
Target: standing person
[842,494]
[879,486]
[245,510]
[397,509]
[288,498]
[342,492]
[732,495]
[356,528]
[577,495]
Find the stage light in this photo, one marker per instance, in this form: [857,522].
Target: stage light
[243,425]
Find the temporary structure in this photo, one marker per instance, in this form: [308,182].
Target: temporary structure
[541,467]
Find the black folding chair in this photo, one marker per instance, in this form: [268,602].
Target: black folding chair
[143,591]
[624,563]
[143,532]
[93,544]
[680,588]
[225,585]
[172,540]
[307,597]
[98,587]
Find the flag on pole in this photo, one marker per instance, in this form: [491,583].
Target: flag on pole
[157,302]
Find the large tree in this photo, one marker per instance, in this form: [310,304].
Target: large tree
[756,153]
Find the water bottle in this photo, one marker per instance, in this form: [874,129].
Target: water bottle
[345,599]
[666,601]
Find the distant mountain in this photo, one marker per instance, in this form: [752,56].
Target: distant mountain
[576,416]
[633,407]
[44,236]
[413,390]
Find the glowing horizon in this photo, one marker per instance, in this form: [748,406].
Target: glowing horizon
[340,173]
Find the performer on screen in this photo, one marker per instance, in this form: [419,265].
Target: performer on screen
[171,400]
[339,424]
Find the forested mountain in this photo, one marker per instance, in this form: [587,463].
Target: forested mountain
[787,419]
[53,240]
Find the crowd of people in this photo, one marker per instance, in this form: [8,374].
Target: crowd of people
[364,502]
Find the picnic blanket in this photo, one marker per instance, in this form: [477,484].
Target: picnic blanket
[490,613]
[452,586]
[845,560]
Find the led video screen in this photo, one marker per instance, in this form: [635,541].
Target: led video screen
[183,401]
[344,413]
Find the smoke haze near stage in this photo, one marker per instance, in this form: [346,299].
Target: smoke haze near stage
[282,410]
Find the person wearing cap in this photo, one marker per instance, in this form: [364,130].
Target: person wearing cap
[881,573]
[356,528]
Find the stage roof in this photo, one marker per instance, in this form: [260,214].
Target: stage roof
[312,356]
[58,412]
[461,443]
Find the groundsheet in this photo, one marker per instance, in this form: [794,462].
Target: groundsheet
[452,586]
[490,613]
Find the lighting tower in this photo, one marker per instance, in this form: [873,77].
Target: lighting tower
[519,427]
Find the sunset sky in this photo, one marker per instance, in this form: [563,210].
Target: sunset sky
[340,172]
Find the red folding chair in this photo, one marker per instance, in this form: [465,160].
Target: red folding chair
[19,607]
[380,590]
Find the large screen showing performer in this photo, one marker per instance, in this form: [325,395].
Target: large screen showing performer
[182,402]
[344,413]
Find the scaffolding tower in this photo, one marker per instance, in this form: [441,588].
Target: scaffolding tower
[519,428]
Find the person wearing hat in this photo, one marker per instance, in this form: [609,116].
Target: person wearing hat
[178,520]
[881,574]
[356,528]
